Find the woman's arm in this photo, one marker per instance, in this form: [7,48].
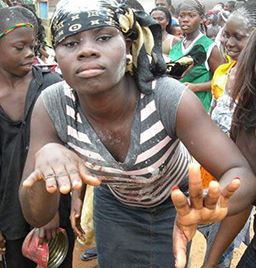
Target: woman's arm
[38,205]
[50,168]
[214,61]
[214,150]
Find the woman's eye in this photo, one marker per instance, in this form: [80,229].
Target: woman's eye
[19,48]
[70,44]
[104,37]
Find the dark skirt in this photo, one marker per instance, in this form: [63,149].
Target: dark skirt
[132,237]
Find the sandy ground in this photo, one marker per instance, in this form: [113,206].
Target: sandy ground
[197,254]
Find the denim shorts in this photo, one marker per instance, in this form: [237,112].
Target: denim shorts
[132,237]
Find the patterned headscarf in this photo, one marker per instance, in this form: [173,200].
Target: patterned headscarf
[74,16]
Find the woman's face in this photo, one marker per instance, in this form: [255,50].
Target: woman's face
[235,36]
[189,20]
[161,18]
[93,61]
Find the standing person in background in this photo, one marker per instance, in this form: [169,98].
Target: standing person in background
[198,78]
[119,128]
[230,6]
[163,17]
[168,4]
[21,84]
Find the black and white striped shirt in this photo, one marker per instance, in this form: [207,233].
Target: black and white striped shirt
[156,160]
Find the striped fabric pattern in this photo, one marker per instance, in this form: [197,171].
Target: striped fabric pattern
[155,163]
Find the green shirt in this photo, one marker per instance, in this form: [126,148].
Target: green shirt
[200,73]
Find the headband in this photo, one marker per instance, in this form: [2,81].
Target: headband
[12,28]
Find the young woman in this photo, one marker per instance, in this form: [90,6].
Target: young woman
[124,129]
[198,78]
[163,17]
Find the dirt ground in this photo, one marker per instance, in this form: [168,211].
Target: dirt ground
[197,253]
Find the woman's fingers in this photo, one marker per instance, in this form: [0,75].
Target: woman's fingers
[35,176]
[213,195]
[180,202]
[87,177]
[74,175]
[228,191]
[195,186]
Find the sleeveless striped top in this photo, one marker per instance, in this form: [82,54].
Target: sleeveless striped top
[156,160]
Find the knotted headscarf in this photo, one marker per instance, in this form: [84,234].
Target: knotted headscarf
[74,16]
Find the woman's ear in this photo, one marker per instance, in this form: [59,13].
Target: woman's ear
[128,45]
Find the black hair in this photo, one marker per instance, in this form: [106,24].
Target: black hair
[168,17]
[134,4]
[232,4]
[41,34]
[244,89]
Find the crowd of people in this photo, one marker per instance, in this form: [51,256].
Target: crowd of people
[143,121]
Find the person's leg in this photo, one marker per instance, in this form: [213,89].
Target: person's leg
[14,257]
[248,259]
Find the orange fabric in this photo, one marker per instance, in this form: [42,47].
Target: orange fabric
[206,177]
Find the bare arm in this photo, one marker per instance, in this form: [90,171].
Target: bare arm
[226,234]
[36,201]
[214,61]
[214,150]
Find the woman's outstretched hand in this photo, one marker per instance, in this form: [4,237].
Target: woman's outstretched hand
[61,169]
[198,208]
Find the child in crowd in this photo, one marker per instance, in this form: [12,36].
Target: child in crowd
[21,84]
[198,78]
[117,124]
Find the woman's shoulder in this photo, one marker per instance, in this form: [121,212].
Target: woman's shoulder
[168,87]
[56,88]
[204,40]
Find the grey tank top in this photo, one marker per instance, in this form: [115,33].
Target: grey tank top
[156,160]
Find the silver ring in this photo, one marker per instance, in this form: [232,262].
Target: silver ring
[49,176]
[61,174]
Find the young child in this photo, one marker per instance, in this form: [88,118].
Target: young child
[21,84]
[198,78]
[118,130]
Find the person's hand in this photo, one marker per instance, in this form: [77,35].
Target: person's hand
[61,169]
[190,86]
[75,214]
[2,244]
[49,231]
[197,209]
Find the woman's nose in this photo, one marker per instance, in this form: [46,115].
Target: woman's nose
[87,49]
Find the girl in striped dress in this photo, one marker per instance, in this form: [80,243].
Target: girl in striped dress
[116,123]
